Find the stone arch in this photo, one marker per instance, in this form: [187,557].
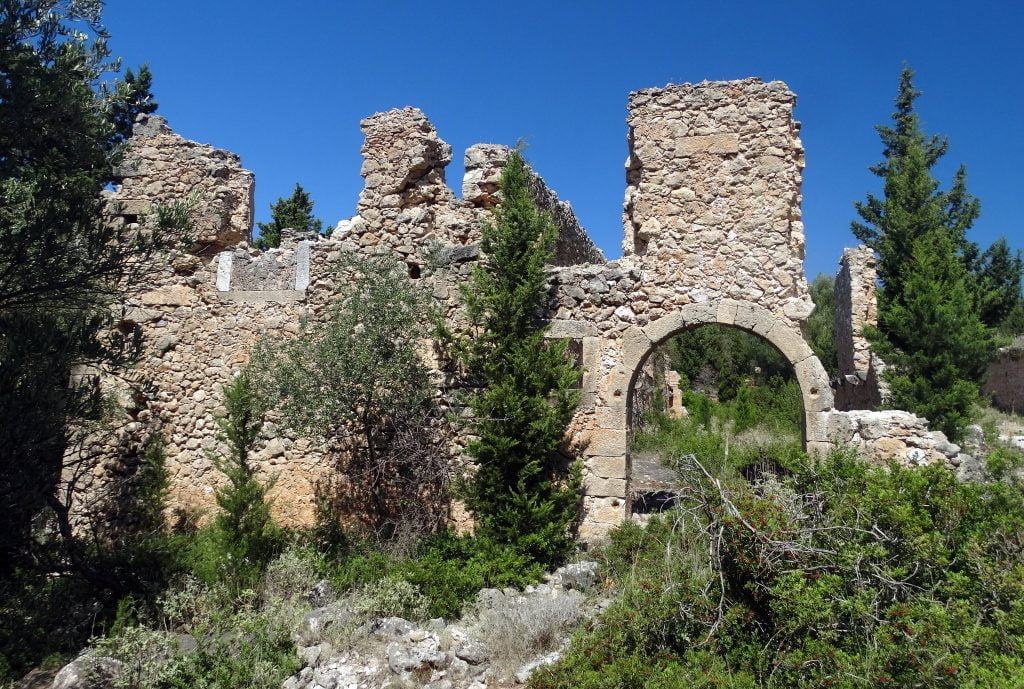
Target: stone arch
[640,342]
[608,462]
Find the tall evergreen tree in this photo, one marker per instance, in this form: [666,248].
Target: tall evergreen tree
[929,326]
[294,212]
[521,493]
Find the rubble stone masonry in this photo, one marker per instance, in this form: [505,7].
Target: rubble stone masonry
[713,234]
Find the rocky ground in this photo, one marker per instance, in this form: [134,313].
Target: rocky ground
[500,640]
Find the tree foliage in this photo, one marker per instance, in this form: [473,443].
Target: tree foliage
[294,212]
[931,304]
[358,375]
[244,534]
[521,492]
[62,123]
[821,325]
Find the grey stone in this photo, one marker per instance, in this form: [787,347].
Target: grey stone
[321,594]
[579,575]
[473,652]
[87,672]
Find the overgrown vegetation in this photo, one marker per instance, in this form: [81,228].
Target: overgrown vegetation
[830,572]
[294,212]
[358,379]
[523,492]
[942,297]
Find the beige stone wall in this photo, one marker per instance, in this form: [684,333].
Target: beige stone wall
[893,435]
[860,385]
[712,235]
[713,197]
[1004,379]
[161,166]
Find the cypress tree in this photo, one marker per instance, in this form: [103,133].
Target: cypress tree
[295,212]
[930,304]
[522,492]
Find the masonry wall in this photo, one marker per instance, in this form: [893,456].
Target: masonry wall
[202,313]
[860,384]
[712,234]
[160,167]
[1004,379]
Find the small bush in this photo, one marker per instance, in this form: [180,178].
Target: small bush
[391,596]
[521,628]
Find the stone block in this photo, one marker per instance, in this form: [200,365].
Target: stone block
[661,329]
[636,345]
[604,510]
[259,296]
[726,312]
[715,144]
[814,384]
[789,341]
[816,426]
[570,329]
[605,442]
[611,415]
[607,467]
[605,487]
[175,295]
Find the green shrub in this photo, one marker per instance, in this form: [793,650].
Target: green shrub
[836,574]
[390,596]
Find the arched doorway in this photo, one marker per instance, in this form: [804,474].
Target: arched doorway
[607,475]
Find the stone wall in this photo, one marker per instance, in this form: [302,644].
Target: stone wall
[1004,379]
[160,167]
[712,235]
[713,195]
[894,435]
[483,165]
[860,384]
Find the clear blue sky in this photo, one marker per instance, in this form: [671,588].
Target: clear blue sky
[284,85]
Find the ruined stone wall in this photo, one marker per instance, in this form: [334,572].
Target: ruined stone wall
[201,315]
[860,385]
[712,235]
[162,167]
[894,435]
[1004,379]
[713,196]
[483,166]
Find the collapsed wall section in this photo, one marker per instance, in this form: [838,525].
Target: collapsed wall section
[860,385]
[1004,379]
[483,166]
[159,166]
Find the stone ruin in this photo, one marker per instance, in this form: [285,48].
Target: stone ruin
[712,234]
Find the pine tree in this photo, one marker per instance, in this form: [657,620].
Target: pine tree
[929,328]
[522,492]
[294,212]
[134,97]
[936,345]
[245,533]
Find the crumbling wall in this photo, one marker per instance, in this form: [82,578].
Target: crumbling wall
[712,235]
[1004,379]
[162,167]
[713,196]
[894,435]
[483,166]
[860,385]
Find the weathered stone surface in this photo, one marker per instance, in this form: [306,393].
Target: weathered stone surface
[712,235]
[161,167]
[1004,379]
[861,385]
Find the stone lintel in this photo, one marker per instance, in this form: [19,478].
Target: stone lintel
[260,296]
